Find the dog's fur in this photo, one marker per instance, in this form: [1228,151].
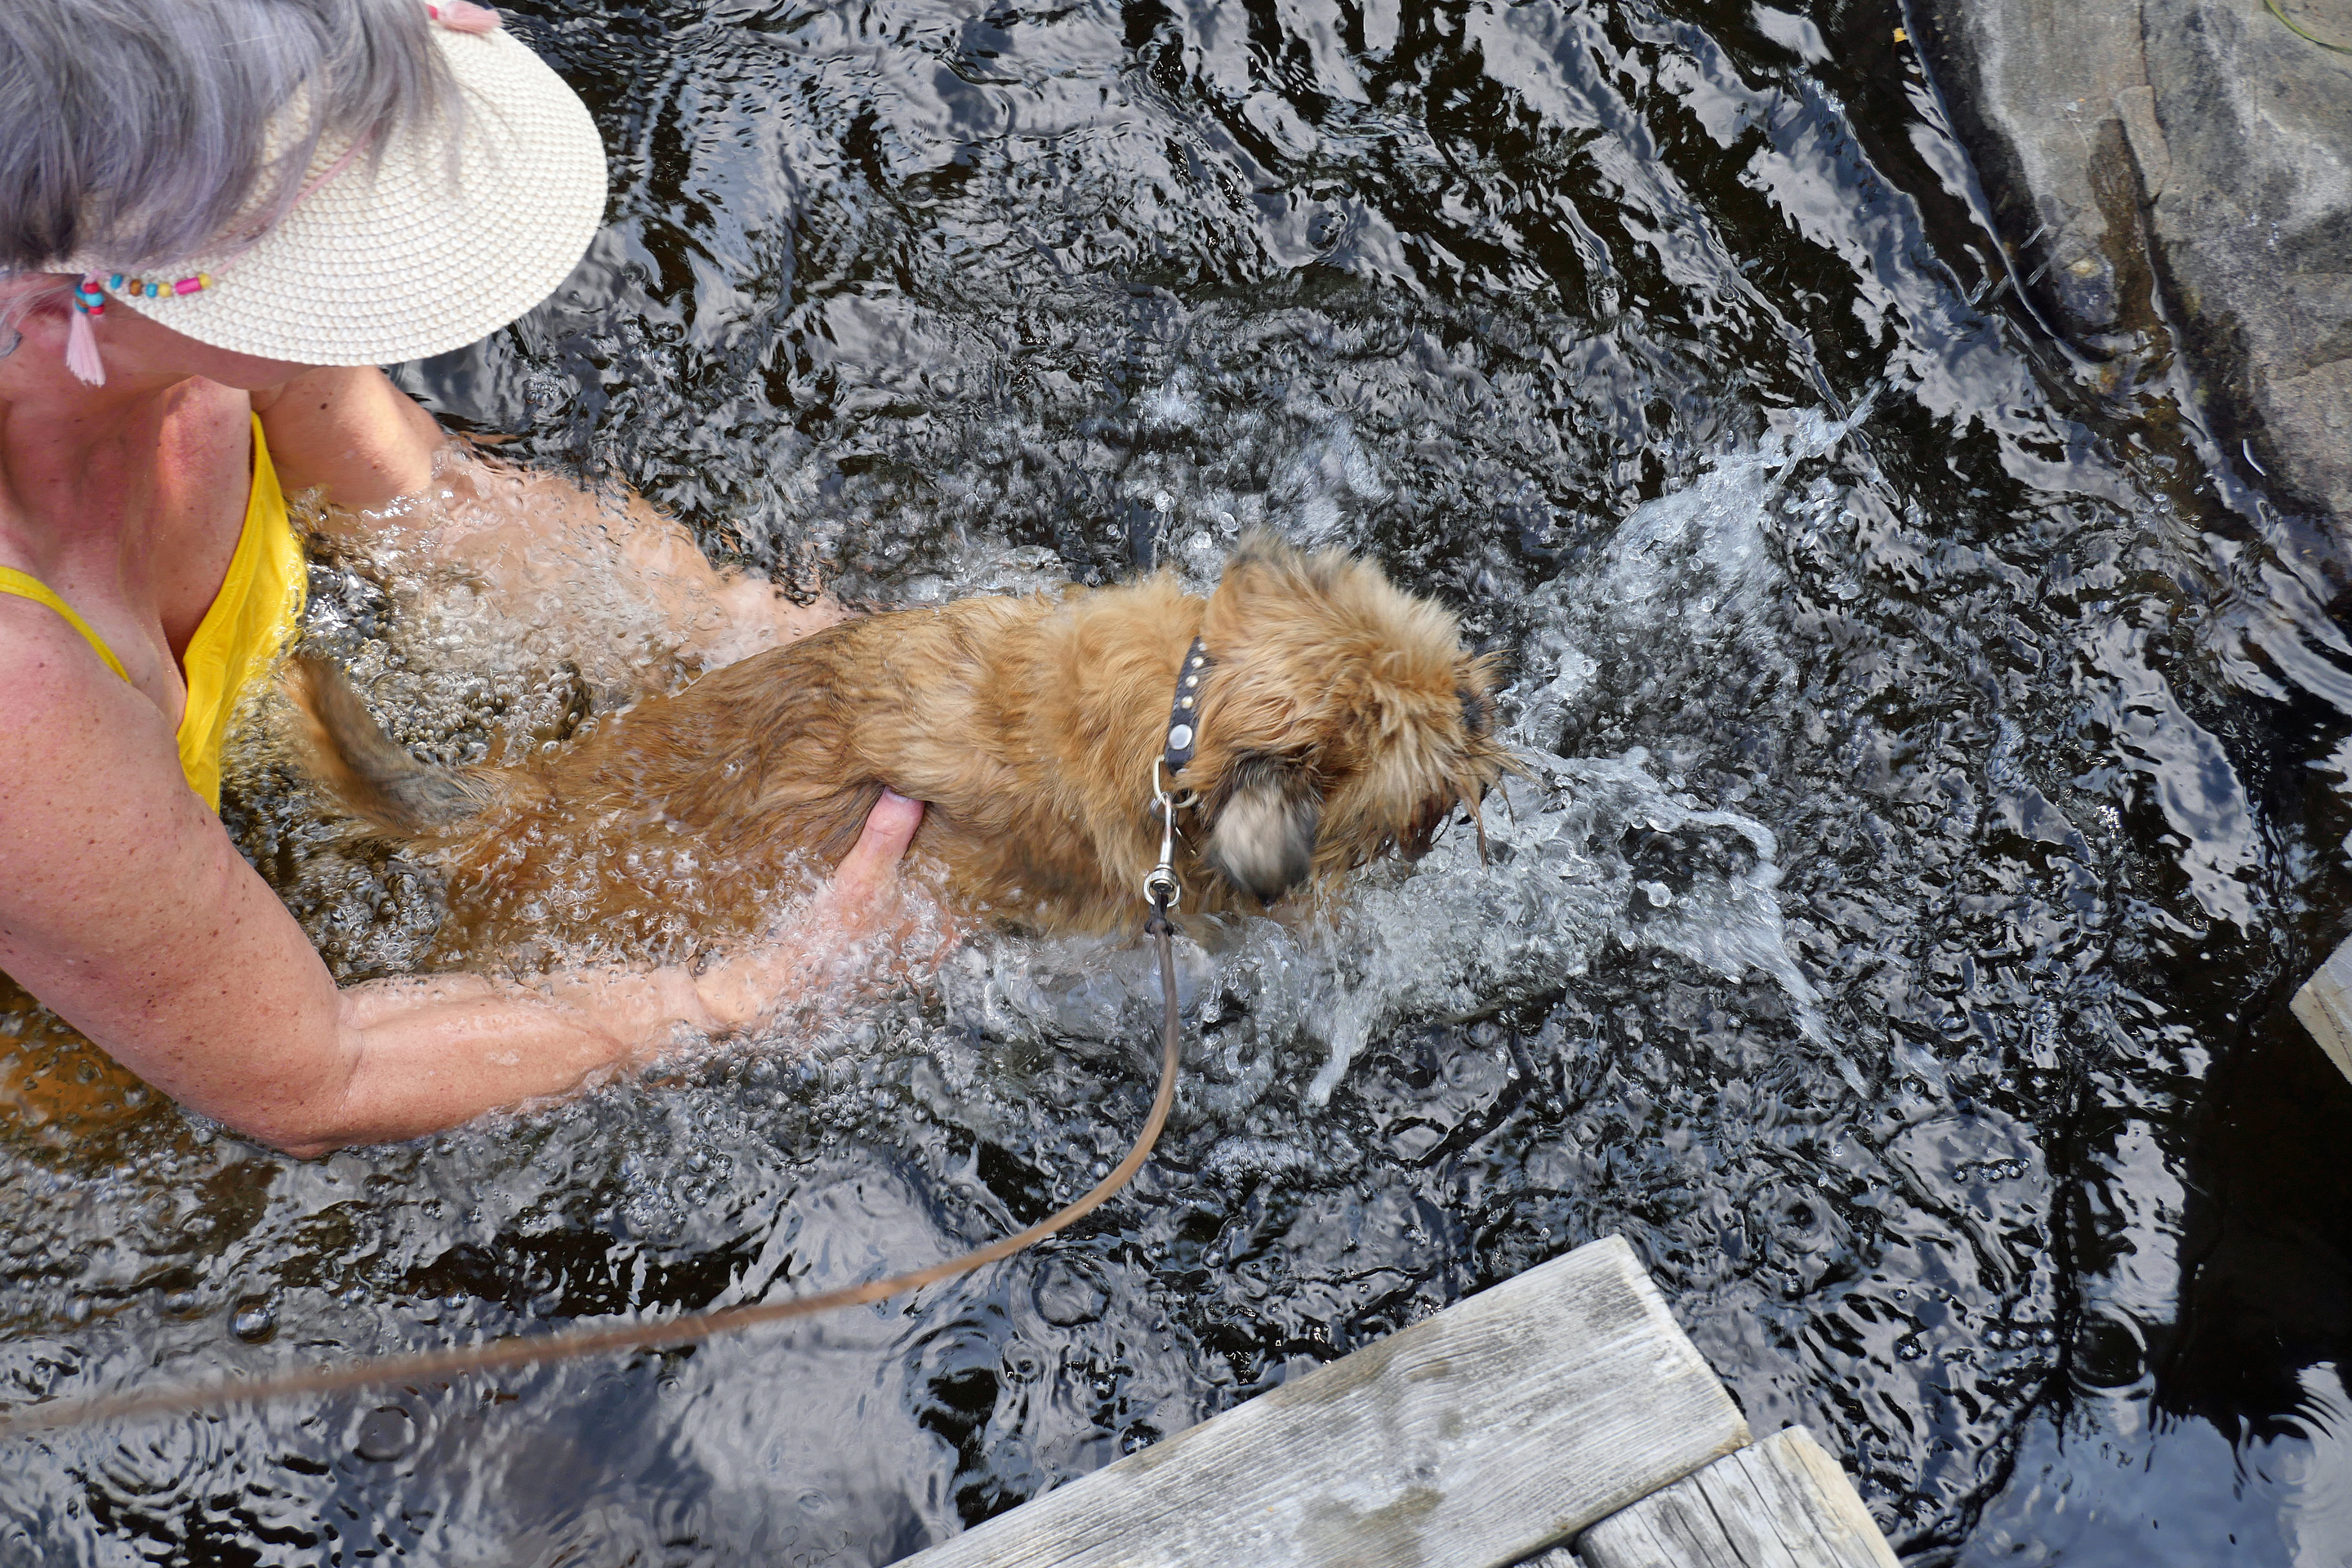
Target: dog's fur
[1340,719]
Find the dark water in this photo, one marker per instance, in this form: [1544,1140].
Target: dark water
[1951,796]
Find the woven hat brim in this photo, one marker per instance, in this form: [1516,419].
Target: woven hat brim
[425,250]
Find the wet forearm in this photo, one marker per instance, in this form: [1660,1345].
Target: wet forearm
[416,1055]
[715,616]
[367,445]
[430,1053]
[424,1054]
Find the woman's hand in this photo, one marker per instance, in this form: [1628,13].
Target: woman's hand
[427,1054]
[861,910]
[124,907]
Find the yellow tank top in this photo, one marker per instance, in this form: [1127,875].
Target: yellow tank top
[258,603]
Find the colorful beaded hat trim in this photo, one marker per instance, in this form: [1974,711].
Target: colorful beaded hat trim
[152,289]
[90,300]
[90,294]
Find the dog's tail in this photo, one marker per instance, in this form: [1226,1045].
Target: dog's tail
[369,774]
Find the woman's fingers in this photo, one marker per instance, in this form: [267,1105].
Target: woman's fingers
[872,867]
[836,939]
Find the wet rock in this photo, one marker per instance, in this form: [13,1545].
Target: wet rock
[2181,158]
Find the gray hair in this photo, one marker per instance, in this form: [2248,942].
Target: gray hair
[131,131]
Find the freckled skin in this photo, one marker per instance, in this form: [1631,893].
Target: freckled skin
[123,906]
[1339,720]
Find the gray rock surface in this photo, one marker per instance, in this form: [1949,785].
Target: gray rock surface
[2181,158]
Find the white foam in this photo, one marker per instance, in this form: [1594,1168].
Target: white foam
[1446,940]
[1584,854]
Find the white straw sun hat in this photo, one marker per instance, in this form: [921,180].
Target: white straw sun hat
[417,252]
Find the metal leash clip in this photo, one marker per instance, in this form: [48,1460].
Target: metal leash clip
[1160,885]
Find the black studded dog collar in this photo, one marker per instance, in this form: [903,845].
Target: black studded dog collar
[1183,717]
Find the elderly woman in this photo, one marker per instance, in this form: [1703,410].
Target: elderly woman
[216,218]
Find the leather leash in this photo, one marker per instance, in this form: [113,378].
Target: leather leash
[1160,890]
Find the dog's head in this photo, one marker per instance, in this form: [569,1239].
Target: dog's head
[1343,718]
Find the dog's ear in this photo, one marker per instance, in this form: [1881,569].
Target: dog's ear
[1262,567]
[1267,814]
[1478,711]
[1260,547]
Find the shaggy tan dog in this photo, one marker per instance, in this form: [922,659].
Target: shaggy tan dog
[1338,719]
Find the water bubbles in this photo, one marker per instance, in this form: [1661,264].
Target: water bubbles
[2110,1352]
[1022,1362]
[385,1434]
[1448,937]
[256,1320]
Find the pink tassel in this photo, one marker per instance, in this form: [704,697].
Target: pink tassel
[81,350]
[463,16]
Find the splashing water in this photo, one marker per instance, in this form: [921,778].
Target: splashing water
[1929,801]
[1599,852]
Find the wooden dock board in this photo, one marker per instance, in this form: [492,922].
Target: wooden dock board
[1781,1504]
[2325,1005]
[1511,1420]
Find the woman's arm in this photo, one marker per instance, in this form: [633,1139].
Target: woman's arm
[350,430]
[427,1053]
[368,443]
[125,908]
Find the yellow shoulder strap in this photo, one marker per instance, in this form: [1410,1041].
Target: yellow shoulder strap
[25,586]
[259,602]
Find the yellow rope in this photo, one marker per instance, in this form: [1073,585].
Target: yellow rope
[2272,6]
[523,1350]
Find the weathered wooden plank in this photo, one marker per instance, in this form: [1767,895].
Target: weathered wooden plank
[2325,1005]
[1781,1504]
[1508,1421]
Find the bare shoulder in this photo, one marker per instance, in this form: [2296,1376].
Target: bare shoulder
[59,688]
[123,906]
[91,796]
